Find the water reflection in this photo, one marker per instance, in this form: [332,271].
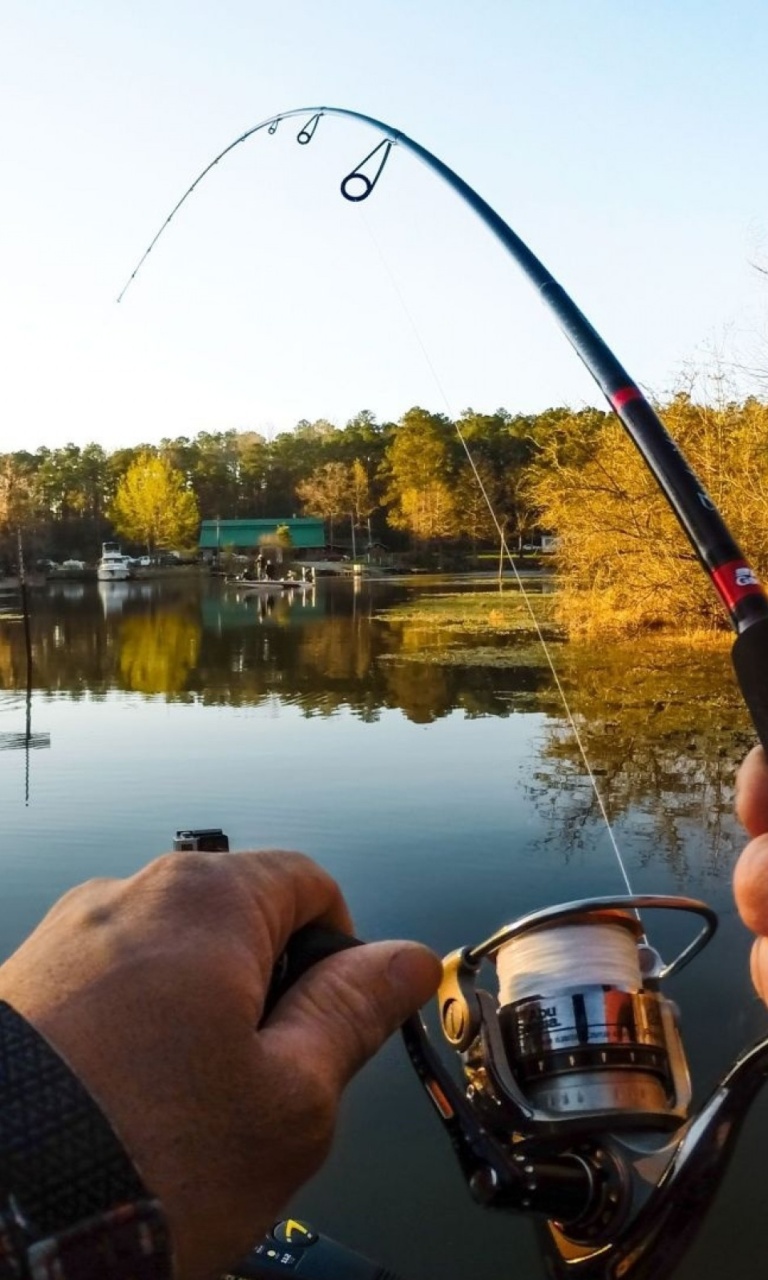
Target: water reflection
[115,595]
[664,731]
[321,649]
[663,734]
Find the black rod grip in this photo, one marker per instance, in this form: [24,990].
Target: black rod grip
[306,947]
[750,660]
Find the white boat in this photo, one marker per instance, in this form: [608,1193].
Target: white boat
[113,565]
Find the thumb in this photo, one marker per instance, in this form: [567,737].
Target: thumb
[750,885]
[752,792]
[341,1012]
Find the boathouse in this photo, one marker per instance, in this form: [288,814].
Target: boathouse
[246,536]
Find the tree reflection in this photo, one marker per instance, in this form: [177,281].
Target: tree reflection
[157,652]
[664,729]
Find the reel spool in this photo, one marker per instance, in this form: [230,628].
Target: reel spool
[580,1036]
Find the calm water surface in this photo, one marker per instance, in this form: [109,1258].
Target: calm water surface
[441,789]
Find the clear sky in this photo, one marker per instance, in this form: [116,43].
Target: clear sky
[625,142]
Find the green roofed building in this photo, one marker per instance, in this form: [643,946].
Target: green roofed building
[307,533]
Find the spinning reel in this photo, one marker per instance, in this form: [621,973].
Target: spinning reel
[576,1091]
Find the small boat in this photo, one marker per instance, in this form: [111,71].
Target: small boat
[267,584]
[113,565]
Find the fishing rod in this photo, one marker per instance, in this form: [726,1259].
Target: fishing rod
[574,1100]
[735,582]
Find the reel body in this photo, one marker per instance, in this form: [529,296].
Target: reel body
[580,1036]
[575,1096]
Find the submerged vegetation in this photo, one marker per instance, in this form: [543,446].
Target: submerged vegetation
[473,629]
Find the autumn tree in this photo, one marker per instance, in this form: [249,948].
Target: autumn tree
[326,492]
[419,468]
[153,506]
[362,500]
[624,562]
[477,494]
[19,499]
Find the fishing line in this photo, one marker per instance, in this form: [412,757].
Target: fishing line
[505,552]
[541,963]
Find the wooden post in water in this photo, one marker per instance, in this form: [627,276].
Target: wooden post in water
[24,605]
[26,740]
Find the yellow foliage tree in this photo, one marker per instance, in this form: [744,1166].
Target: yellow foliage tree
[624,563]
[418,468]
[19,501]
[326,492]
[153,506]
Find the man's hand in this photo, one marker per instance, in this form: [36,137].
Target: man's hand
[751,876]
[152,989]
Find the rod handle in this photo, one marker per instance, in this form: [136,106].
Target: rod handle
[306,947]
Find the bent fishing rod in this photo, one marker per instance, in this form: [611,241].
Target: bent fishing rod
[573,1102]
[735,582]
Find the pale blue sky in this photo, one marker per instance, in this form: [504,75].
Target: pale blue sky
[625,142]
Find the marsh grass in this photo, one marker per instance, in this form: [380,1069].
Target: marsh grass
[476,611]
[485,629]
[472,629]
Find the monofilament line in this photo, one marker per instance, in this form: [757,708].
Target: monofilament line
[507,554]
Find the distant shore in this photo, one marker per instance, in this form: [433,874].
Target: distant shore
[12,583]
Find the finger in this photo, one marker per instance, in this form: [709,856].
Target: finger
[292,890]
[262,896]
[750,885]
[752,792]
[341,1012]
[758,963]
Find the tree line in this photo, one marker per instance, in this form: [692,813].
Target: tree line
[408,482]
[432,484]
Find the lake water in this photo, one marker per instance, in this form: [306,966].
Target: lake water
[443,793]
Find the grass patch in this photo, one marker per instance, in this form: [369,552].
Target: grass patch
[471,629]
[476,612]
[510,656]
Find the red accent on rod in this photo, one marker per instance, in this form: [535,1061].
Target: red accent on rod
[734,581]
[624,395]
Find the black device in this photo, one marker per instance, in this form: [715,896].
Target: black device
[202,839]
[294,1246]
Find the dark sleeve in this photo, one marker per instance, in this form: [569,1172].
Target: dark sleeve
[72,1204]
